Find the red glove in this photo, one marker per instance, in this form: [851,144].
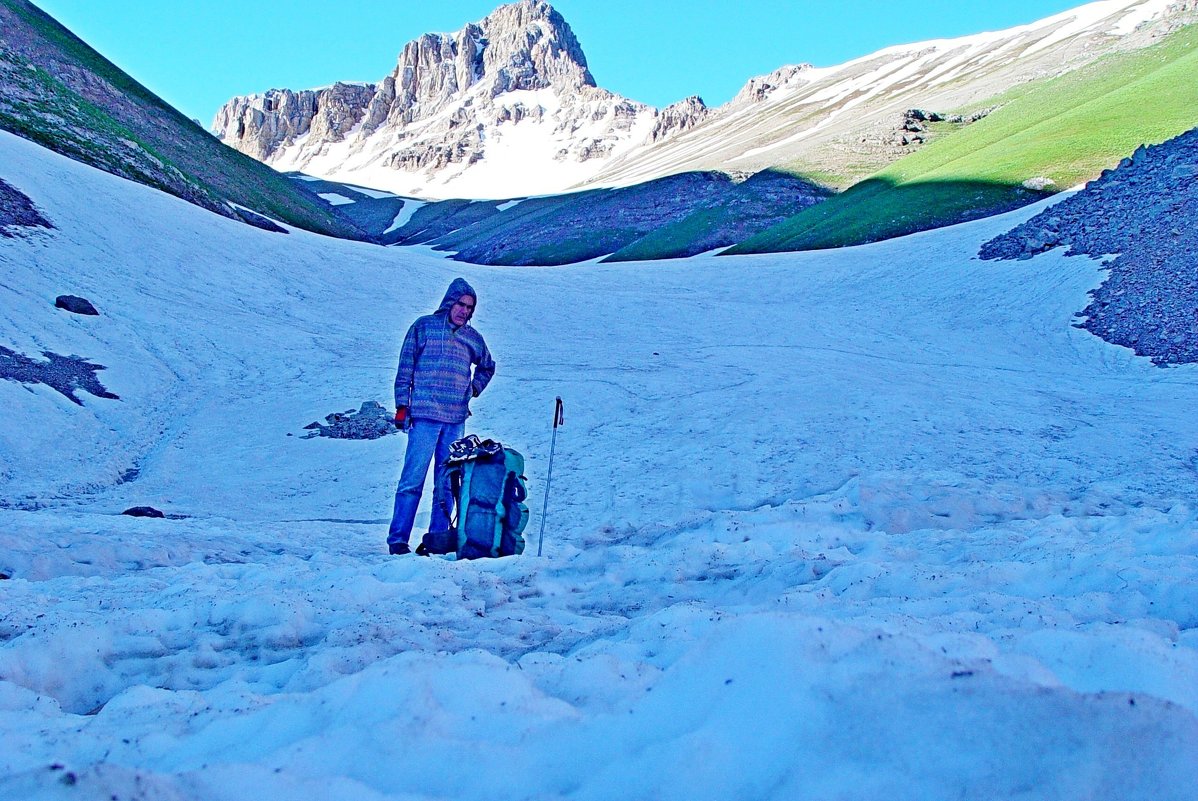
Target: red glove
[401,416]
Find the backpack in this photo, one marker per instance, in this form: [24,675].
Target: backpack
[487,482]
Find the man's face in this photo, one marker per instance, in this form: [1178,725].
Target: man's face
[461,311]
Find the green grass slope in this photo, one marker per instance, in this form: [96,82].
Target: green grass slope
[59,92]
[1065,130]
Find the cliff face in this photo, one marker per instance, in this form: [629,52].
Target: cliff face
[260,126]
[527,46]
[515,85]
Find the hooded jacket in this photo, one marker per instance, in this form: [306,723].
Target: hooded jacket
[434,379]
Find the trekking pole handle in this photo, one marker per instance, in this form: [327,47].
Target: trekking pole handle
[559,417]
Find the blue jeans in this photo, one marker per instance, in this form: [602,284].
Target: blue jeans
[428,441]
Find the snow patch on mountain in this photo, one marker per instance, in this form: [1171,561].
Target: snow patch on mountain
[797,115]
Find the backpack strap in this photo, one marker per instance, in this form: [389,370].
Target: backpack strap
[500,514]
[464,500]
[447,480]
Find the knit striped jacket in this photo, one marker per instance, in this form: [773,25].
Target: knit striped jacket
[434,378]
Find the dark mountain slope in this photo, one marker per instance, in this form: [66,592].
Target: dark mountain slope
[62,94]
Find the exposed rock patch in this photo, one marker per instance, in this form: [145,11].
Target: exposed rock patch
[371,421]
[679,117]
[144,511]
[75,305]
[1145,211]
[913,128]
[17,210]
[65,374]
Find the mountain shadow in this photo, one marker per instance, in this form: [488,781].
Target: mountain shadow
[878,208]
[753,205]
[677,215]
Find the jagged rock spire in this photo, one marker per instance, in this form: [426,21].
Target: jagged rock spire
[524,45]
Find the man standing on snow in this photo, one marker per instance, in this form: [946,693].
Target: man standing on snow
[433,389]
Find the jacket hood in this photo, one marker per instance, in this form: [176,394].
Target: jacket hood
[456,289]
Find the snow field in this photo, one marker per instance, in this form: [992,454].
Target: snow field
[772,643]
[866,523]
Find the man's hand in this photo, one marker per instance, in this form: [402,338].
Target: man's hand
[401,418]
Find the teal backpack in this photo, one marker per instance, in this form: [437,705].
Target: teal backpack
[487,482]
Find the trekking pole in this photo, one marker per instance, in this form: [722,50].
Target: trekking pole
[558,419]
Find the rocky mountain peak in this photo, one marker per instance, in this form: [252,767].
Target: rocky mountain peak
[760,88]
[450,100]
[679,117]
[525,45]
[528,45]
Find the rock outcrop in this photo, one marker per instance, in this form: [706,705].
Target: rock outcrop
[1143,211]
[75,305]
[371,421]
[144,511]
[762,87]
[18,211]
[277,119]
[451,100]
[679,117]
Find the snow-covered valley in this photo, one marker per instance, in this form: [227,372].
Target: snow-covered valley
[869,523]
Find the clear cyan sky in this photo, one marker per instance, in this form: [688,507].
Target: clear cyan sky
[196,54]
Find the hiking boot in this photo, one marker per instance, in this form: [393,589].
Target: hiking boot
[400,548]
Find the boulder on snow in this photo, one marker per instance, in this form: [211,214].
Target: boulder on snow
[75,305]
[371,421]
[143,511]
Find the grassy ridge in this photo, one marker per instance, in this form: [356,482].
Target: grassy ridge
[53,98]
[1066,130]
